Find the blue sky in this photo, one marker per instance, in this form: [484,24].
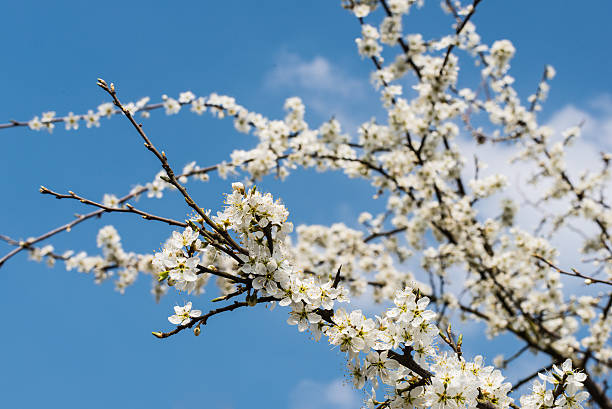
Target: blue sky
[68,342]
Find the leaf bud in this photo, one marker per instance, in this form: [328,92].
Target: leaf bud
[251,300]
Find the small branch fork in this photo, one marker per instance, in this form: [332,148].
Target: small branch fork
[448,338]
[460,27]
[403,45]
[127,209]
[21,245]
[65,227]
[247,286]
[172,179]
[97,213]
[204,318]
[14,242]
[51,254]
[389,233]
[574,273]
[231,277]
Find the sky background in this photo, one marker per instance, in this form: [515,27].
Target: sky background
[66,342]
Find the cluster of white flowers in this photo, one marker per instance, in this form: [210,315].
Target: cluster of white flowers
[567,390]
[114,261]
[368,45]
[179,259]
[46,121]
[220,105]
[319,251]
[418,374]
[487,186]
[415,165]
[46,252]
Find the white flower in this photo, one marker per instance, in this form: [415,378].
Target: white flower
[572,399]
[106,109]
[357,373]
[185,239]
[48,116]
[183,315]
[303,316]
[92,119]
[183,270]
[172,106]
[35,124]
[502,51]
[198,106]
[574,378]
[379,365]
[110,200]
[186,97]
[155,189]
[71,121]
[361,10]
[269,275]
[47,120]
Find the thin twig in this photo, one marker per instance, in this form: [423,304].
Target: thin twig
[127,209]
[67,226]
[574,273]
[172,179]
[204,318]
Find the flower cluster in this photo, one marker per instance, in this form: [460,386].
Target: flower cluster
[453,226]
[114,260]
[397,349]
[567,390]
[179,260]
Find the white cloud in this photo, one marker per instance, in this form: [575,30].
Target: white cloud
[317,75]
[309,394]
[597,124]
[325,88]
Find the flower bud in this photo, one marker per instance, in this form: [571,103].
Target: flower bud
[196,331]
